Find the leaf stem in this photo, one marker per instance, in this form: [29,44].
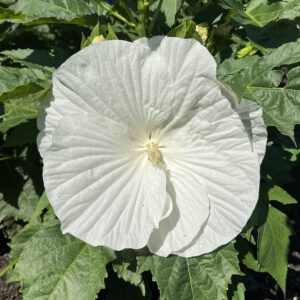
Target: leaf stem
[128,11]
[9,266]
[153,21]
[143,6]
[116,14]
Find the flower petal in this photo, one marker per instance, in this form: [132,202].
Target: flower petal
[251,115]
[190,65]
[115,79]
[215,145]
[103,191]
[189,214]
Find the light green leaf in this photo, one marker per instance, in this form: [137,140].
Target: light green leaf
[45,61]
[111,33]
[281,104]
[250,262]
[67,10]
[12,78]
[170,9]
[17,111]
[41,205]
[17,246]
[19,241]
[279,194]
[262,12]
[187,29]
[124,267]
[294,154]
[239,293]
[56,266]
[204,277]
[273,246]
[25,205]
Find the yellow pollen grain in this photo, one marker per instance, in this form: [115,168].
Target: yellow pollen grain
[154,154]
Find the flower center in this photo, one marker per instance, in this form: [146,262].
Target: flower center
[154,154]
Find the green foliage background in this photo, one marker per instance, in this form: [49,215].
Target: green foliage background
[257,47]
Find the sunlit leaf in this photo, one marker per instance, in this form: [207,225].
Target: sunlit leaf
[56,266]
[273,246]
[204,277]
[255,79]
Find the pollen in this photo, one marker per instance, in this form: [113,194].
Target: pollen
[154,154]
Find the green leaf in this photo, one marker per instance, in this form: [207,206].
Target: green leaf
[56,266]
[19,241]
[43,60]
[26,204]
[187,29]
[17,111]
[273,246]
[41,205]
[239,294]
[13,78]
[67,10]
[119,289]
[17,245]
[204,277]
[250,262]
[262,12]
[281,104]
[272,35]
[280,195]
[236,289]
[170,9]
[125,266]
[111,34]
[254,78]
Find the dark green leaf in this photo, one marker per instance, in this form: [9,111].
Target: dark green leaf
[273,246]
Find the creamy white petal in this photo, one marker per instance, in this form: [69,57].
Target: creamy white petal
[103,189]
[251,115]
[189,215]
[115,79]
[218,150]
[190,65]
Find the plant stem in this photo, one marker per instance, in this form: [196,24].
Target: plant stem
[8,267]
[128,11]
[116,14]
[143,6]
[153,21]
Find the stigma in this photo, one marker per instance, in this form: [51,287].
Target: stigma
[154,154]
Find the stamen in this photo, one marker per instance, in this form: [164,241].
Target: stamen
[154,154]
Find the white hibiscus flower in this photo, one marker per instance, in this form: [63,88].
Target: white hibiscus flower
[143,146]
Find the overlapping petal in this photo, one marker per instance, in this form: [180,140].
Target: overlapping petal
[251,116]
[189,65]
[110,99]
[115,79]
[101,187]
[214,146]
